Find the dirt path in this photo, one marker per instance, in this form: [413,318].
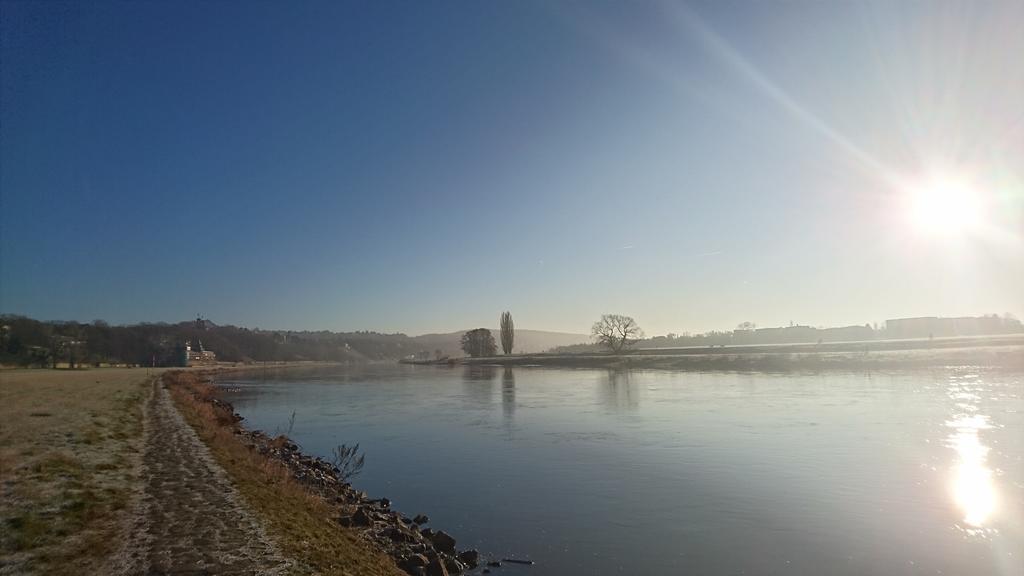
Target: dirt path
[190,519]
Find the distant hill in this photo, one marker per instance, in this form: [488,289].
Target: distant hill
[526,341]
[28,342]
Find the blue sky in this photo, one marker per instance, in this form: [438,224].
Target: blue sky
[423,166]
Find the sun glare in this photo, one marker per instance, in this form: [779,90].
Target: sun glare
[942,205]
[972,481]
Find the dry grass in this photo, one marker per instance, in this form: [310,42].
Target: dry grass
[70,455]
[300,523]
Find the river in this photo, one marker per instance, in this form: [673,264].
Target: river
[657,472]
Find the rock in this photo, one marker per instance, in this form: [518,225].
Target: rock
[494,564]
[399,535]
[418,560]
[415,564]
[470,558]
[427,532]
[361,518]
[453,565]
[421,519]
[442,541]
[437,568]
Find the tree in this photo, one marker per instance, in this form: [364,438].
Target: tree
[616,332]
[508,332]
[347,461]
[479,342]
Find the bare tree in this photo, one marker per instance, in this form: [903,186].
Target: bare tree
[348,461]
[508,332]
[616,332]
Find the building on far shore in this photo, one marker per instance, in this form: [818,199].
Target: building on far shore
[747,334]
[800,334]
[194,356]
[936,327]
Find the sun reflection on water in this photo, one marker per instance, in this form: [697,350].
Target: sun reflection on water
[973,489]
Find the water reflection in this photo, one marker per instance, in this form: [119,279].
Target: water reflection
[479,373]
[508,400]
[973,490]
[508,394]
[620,392]
[478,383]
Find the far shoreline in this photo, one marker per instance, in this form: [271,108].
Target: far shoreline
[996,351]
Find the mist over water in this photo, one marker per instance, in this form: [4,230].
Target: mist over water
[645,472]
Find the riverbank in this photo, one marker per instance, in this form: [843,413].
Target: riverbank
[1001,352]
[316,517]
[101,474]
[188,516]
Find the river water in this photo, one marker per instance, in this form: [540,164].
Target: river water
[655,472]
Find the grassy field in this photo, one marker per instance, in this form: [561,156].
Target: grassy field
[301,524]
[70,453]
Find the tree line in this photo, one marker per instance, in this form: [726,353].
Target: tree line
[28,342]
[614,332]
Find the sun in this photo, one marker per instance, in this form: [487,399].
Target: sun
[945,205]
